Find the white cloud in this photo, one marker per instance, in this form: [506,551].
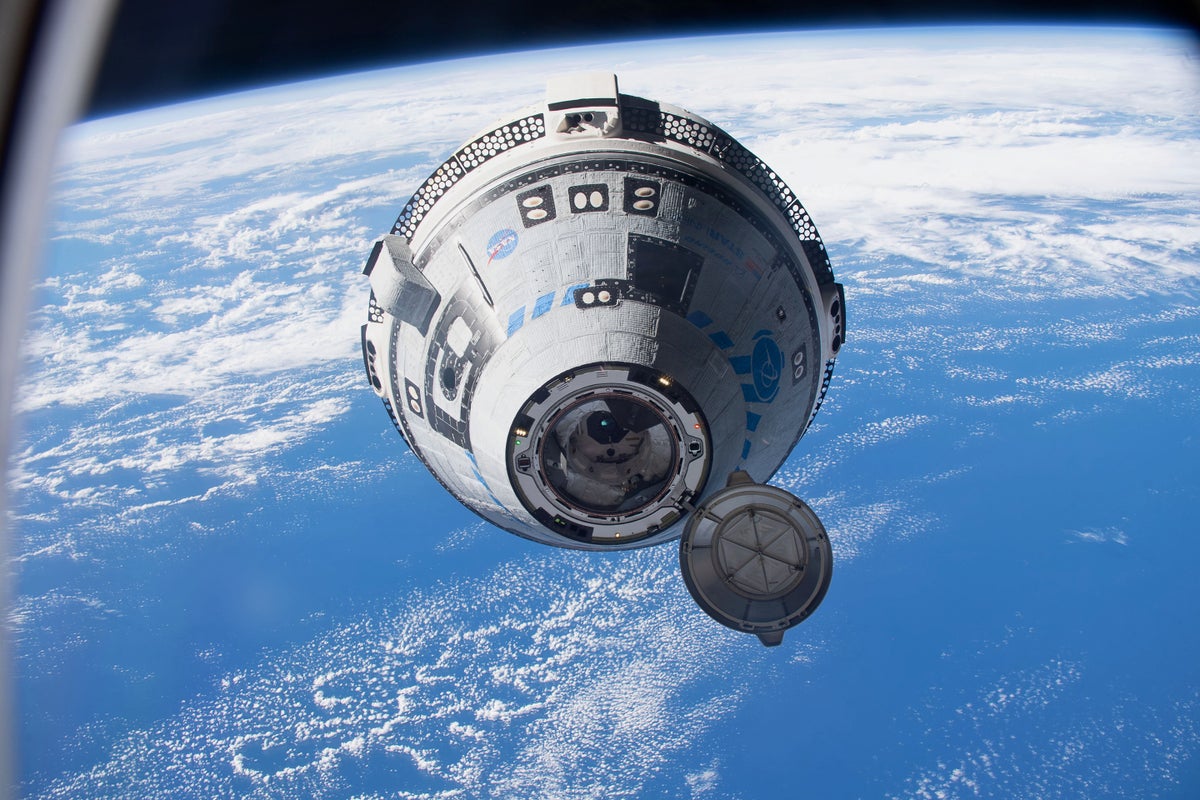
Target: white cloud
[1035,732]
[409,680]
[1108,534]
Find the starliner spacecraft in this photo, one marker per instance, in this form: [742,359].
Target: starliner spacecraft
[603,324]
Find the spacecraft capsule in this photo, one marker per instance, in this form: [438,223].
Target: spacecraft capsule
[604,322]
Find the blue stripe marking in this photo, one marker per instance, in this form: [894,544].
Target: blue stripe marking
[752,421]
[749,393]
[569,295]
[483,483]
[699,319]
[515,320]
[745,448]
[542,305]
[721,339]
[740,364]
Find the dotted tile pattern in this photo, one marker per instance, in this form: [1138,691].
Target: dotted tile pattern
[640,116]
[709,139]
[374,312]
[470,156]
[821,394]
[395,421]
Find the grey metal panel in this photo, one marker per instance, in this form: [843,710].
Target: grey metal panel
[399,287]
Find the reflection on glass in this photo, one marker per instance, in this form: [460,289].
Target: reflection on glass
[609,454]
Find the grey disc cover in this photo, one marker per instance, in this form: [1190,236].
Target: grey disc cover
[756,558]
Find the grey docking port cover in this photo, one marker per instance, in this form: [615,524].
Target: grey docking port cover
[756,558]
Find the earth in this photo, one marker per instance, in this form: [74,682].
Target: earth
[233,579]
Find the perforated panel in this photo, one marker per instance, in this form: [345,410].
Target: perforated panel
[374,312]
[821,395]
[501,139]
[641,116]
[715,142]
[470,156]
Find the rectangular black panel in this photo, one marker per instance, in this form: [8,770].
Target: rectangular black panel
[583,102]
[666,270]
[536,206]
[642,197]
[588,197]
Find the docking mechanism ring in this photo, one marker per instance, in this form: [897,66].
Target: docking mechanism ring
[608,453]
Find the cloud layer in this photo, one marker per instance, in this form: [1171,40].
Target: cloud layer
[1013,214]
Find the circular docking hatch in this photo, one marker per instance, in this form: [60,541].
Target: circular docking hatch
[756,558]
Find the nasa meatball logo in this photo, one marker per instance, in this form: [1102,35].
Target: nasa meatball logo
[766,365]
[502,244]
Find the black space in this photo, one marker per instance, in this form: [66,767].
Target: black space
[164,51]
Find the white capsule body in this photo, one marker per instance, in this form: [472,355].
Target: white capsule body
[592,314]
